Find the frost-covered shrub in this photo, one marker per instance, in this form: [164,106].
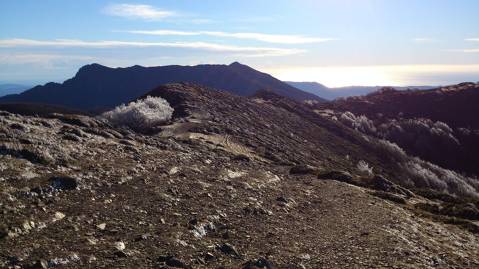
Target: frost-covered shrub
[360,123]
[421,134]
[422,177]
[364,168]
[418,173]
[428,175]
[434,141]
[464,131]
[430,140]
[390,150]
[311,102]
[141,115]
[422,174]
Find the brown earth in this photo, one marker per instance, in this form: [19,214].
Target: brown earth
[213,189]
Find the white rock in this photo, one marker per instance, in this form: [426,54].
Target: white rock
[235,174]
[29,175]
[58,216]
[173,170]
[120,246]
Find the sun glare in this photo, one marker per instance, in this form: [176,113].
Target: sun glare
[337,76]
[387,75]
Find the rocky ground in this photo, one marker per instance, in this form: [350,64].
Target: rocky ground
[231,182]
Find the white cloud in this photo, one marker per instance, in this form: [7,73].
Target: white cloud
[164,32]
[34,65]
[278,39]
[35,58]
[259,19]
[135,11]
[471,50]
[66,43]
[424,40]
[201,21]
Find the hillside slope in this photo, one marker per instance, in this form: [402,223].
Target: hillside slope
[455,105]
[230,181]
[96,86]
[438,125]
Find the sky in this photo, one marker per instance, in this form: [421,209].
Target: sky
[334,42]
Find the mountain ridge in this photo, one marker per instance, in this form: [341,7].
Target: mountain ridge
[454,104]
[98,86]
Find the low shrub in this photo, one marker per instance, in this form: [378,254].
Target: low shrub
[141,115]
[364,168]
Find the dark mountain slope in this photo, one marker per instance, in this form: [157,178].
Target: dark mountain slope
[455,105]
[439,125]
[96,86]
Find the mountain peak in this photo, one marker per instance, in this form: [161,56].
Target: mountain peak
[239,67]
[94,67]
[236,64]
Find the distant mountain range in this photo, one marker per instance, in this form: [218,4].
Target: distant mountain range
[333,93]
[6,89]
[96,86]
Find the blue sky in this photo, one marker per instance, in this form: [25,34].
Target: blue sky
[335,42]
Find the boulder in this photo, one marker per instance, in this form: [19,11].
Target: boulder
[64,183]
[342,176]
[302,170]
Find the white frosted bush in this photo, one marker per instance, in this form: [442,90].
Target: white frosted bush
[364,168]
[141,115]
[430,133]
[464,131]
[359,123]
[425,174]
[405,132]
[422,136]
[390,149]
